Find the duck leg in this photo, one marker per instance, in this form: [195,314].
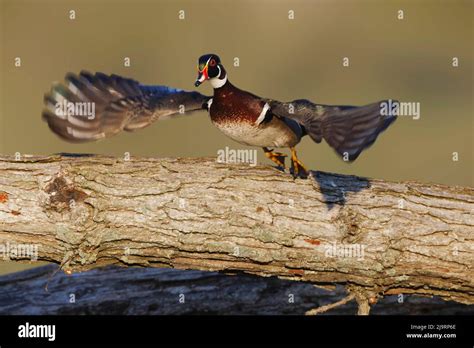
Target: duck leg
[277,157]
[298,168]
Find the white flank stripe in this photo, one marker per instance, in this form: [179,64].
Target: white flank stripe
[261,117]
[209,103]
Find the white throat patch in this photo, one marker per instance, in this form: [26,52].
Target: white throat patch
[216,82]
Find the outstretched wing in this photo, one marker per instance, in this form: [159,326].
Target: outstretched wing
[347,129]
[90,107]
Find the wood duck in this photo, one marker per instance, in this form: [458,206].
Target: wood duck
[125,104]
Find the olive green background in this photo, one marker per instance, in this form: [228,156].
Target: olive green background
[408,59]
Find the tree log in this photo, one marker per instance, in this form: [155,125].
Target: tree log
[157,291]
[375,237]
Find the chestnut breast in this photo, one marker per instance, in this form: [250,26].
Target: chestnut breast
[235,113]
[232,104]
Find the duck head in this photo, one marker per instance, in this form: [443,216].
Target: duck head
[210,68]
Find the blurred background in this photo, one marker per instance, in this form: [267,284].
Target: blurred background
[408,59]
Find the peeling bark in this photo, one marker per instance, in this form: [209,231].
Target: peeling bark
[387,237]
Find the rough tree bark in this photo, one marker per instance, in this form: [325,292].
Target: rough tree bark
[375,237]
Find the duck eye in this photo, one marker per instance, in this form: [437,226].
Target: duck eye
[212,62]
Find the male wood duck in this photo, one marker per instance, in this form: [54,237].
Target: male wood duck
[125,104]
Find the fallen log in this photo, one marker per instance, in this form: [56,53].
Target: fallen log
[116,290]
[376,238]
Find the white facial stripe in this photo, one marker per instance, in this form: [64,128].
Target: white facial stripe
[261,117]
[205,66]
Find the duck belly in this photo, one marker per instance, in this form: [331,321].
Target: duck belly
[272,134]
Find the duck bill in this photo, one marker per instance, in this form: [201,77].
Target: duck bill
[202,76]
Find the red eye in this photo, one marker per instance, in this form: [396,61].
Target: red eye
[212,62]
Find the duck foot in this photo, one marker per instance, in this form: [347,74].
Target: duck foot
[277,157]
[297,168]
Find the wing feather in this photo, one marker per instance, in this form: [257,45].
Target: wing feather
[347,129]
[118,103]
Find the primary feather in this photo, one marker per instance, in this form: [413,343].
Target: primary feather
[119,104]
[347,129]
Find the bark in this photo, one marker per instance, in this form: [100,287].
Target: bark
[157,291]
[377,238]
